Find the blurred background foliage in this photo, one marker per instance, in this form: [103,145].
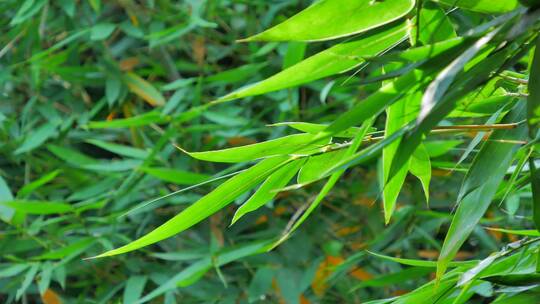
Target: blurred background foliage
[94,96]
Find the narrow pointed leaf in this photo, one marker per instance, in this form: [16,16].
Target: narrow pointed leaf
[466,83]
[397,116]
[317,165]
[298,143]
[420,166]
[38,207]
[335,60]
[316,128]
[207,205]
[490,165]
[419,263]
[440,85]
[144,89]
[483,6]
[267,190]
[329,183]
[179,177]
[30,187]
[318,22]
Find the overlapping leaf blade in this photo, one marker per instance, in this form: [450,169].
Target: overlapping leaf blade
[318,22]
[476,200]
[337,59]
[207,205]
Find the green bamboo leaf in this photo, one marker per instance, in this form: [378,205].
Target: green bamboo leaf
[179,177]
[28,9]
[292,144]
[395,278]
[30,187]
[332,180]
[533,120]
[71,249]
[37,137]
[28,278]
[317,165]
[483,6]
[318,22]
[434,25]
[437,89]
[119,149]
[135,121]
[113,88]
[38,207]
[420,263]
[514,279]
[523,232]
[207,205]
[70,156]
[134,289]
[478,138]
[268,189]
[102,31]
[375,103]
[398,115]
[196,270]
[12,270]
[420,166]
[433,111]
[6,213]
[317,128]
[335,60]
[489,166]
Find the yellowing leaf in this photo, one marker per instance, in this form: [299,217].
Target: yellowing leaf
[144,89]
[50,297]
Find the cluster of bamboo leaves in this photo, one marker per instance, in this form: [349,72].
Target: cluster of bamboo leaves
[425,75]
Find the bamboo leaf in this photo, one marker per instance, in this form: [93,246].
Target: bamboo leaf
[420,166]
[328,185]
[335,60]
[30,187]
[317,165]
[38,207]
[179,177]
[134,289]
[316,128]
[119,149]
[440,85]
[318,22]
[420,263]
[435,111]
[267,190]
[144,89]
[483,6]
[398,115]
[489,167]
[195,271]
[523,232]
[206,206]
[135,121]
[292,144]
[434,25]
